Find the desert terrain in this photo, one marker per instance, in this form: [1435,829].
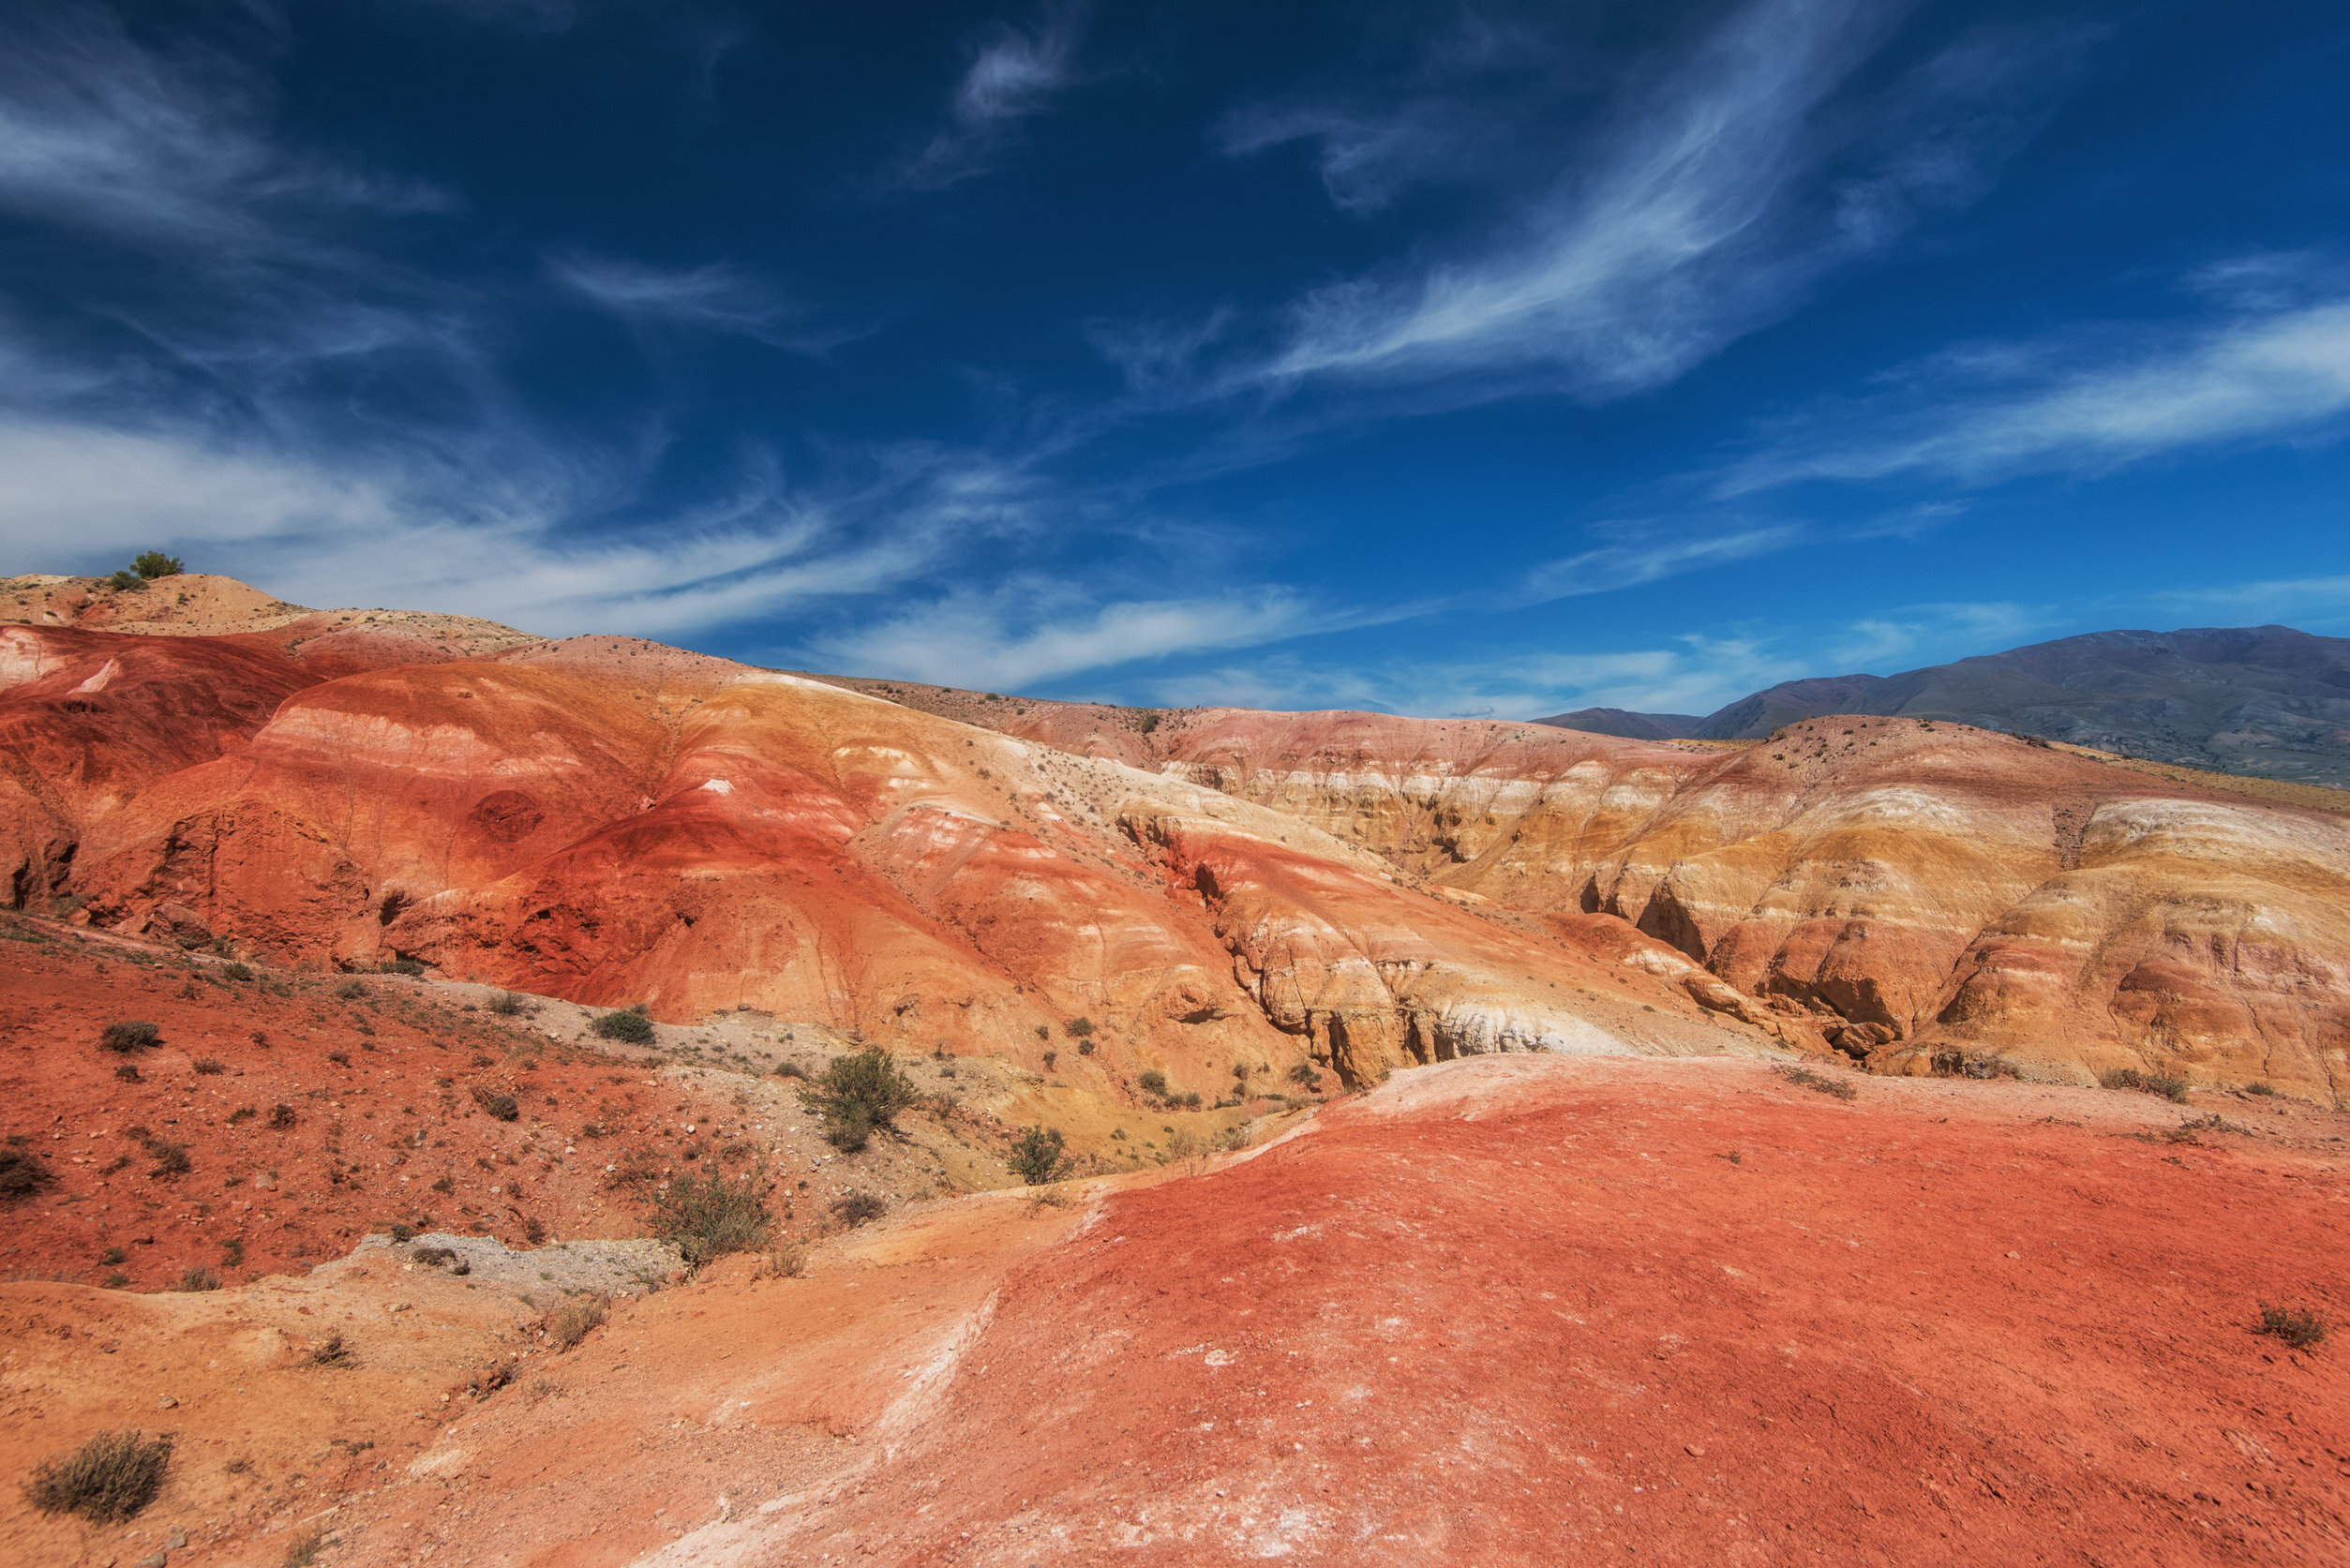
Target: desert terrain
[1469,1141]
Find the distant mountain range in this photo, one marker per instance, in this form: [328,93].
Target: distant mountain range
[2266,701]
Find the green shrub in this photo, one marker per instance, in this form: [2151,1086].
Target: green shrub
[22,1174]
[1037,1158]
[858,1095]
[236,971]
[409,966]
[508,1004]
[2263,1089]
[107,1480]
[2173,1089]
[1304,1075]
[350,991]
[127,581]
[708,1216]
[2297,1326]
[498,1107]
[155,563]
[130,1035]
[1078,1028]
[633,1027]
[1154,1083]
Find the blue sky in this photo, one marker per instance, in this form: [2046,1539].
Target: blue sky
[1443,358]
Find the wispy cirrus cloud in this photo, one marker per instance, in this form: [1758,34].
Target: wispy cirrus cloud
[1610,567]
[99,133]
[2084,401]
[1014,73]
[1715,200]
[1032,631]
[714,297]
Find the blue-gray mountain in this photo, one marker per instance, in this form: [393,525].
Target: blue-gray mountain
[2266,701]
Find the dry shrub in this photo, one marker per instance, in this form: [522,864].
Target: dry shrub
[108,1479]
[209,1066]
[710,1216]
[22,1174]
[128,1035]
[576,1319]
[2170,1088]
[2297,1326]
[784,1262]
[858,1208]
[1805,1079]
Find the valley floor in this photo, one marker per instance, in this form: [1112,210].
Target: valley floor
[1519,1309]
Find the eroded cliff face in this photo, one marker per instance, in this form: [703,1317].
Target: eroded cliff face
[613,821]
[1919,896]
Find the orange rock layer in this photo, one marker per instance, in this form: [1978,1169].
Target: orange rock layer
[612,821]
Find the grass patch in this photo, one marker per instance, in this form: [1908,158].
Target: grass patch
[107,1480]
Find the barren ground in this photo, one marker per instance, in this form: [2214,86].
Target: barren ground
[1509,1309]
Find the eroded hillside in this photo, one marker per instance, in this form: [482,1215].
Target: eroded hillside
[612,821]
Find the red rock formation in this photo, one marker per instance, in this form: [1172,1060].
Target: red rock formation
[612,821]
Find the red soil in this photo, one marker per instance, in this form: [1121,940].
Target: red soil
[259,1199]
[1504,1310]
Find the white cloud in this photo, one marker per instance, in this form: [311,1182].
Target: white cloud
[714,297]
[1619,566]
[1698,218]
[1031,631]
[503,546]
[1014,74]
[1993,412]
[97,132]
[1698,676]
[2323,600]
